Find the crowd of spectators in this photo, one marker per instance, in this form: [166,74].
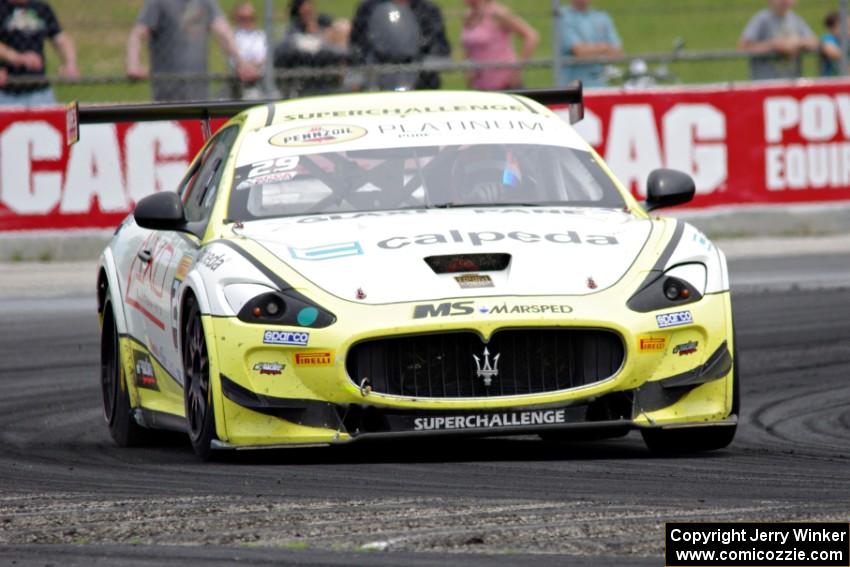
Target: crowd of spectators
[177,34]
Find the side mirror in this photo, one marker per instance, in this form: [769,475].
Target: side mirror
[667,188]
[160,211]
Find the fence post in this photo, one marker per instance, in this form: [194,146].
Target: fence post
[269,83]
[556,42]
[845,41]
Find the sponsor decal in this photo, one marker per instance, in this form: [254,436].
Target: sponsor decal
[487,370]
[421,129]
[348,216]
[294,338]
[652,344]
[317,135]
[266,172]
[322,358]
[267,180]
[146,283]
[453,309]
[179,275]
[505,309]
[211,260]
[447,309]
[404,111]
[269,368]
[703,241]
[674,319]
[143,371]
[327,251]
[467,281]
[488,211]
[486,421]
[183,268]
[686,348]
[483,238]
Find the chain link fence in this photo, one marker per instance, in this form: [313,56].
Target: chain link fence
[185,53]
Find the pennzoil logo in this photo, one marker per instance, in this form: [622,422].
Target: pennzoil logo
[314,358]
[652,344]
[317,135]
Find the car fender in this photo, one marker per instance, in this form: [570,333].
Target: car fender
[107,266]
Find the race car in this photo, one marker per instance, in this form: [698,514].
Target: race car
[409,264]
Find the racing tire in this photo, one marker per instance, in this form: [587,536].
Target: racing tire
[123,428]
[197,392]
[698,439]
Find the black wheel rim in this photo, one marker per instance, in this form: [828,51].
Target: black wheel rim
[196,366]
[109,367]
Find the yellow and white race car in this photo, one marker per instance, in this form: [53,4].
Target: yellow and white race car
[341,268]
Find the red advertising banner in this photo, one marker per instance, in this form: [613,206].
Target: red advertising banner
[743,144]
[46,184]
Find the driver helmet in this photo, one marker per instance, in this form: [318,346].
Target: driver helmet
[486,174]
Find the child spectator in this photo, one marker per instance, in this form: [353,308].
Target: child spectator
[250,42]
[830,47]
[304,19]
[252,47]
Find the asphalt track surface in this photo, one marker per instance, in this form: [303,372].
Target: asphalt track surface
[69,497]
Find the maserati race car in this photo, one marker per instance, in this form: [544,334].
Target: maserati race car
[350,267]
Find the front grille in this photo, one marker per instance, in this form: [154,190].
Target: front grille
[442,365]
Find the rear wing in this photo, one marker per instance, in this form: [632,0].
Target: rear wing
[77,115]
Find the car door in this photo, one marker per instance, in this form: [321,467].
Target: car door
[164,258]
[199,195]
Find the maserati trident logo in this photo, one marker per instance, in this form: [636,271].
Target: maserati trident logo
[487,371]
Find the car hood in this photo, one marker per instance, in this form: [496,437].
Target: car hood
[381,257]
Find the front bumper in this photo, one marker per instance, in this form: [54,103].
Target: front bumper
[313,401]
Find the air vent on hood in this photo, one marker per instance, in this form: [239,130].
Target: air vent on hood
[460,263]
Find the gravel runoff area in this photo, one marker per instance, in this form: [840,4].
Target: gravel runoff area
[419,524]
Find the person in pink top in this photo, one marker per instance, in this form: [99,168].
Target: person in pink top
[487,37]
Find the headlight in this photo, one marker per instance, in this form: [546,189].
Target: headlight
[258,304]
[679,285]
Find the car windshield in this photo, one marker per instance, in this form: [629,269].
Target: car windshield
[478,175]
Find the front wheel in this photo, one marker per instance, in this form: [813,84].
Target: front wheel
[688,439]
[197,392]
